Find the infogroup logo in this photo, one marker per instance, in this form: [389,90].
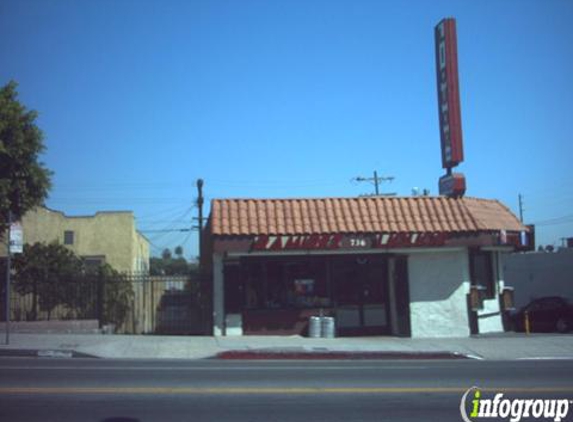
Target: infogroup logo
[513,409]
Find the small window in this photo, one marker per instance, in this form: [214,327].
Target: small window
[482,273]
[68,237]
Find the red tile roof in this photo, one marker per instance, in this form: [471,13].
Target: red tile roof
[252,217]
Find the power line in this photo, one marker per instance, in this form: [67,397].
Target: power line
[166,213]
[153,222]
[554,221]
[186,240]
[110,199]
[186,229]
[271,183]
[121,185]
[172,225]
[178,238]
[262,183]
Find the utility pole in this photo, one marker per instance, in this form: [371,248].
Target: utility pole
[376,180]
[520,208]
[200,201]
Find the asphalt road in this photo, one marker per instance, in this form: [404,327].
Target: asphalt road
[142,391]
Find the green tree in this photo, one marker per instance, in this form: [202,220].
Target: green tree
[48,273]
[166,254]
[117,294]
[54,276]
[156,266]
[177,266]
[167,265]
[24,181]
[193,268]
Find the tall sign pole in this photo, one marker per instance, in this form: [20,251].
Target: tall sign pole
[14,244]
[451,184]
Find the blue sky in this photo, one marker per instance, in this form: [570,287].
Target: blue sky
[138,99]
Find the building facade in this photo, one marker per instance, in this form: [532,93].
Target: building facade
[106,237]
[379,266]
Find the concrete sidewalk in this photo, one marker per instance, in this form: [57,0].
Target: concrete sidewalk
[495,347]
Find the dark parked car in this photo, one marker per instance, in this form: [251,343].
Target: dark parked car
[546,314]
[174,313]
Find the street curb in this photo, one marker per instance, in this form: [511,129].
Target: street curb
[277,354]
[44,353]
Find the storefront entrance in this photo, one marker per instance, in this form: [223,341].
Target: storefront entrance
[277,295]
[361,295]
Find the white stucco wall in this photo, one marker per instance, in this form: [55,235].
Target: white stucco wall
[439,284]
[489,318]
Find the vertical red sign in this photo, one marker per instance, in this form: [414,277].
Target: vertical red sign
[448,93]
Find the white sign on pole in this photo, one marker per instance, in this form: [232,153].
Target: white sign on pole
[16,238]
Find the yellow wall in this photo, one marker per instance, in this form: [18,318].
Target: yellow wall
[109,234]
[141,255]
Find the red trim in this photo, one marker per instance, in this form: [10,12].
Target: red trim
[448,94]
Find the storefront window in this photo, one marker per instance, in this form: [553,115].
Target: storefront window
[303,283]
[254,286]
[306,284]
[273,291]
[285,284]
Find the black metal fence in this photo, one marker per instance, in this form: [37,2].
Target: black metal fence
[175,305]
[131,304]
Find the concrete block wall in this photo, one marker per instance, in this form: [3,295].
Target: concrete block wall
[539,274]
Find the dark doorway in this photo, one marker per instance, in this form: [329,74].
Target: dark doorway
[402,296]
[360,291]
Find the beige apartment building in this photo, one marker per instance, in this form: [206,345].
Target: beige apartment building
[107,237]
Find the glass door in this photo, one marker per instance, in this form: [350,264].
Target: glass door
[360,290]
